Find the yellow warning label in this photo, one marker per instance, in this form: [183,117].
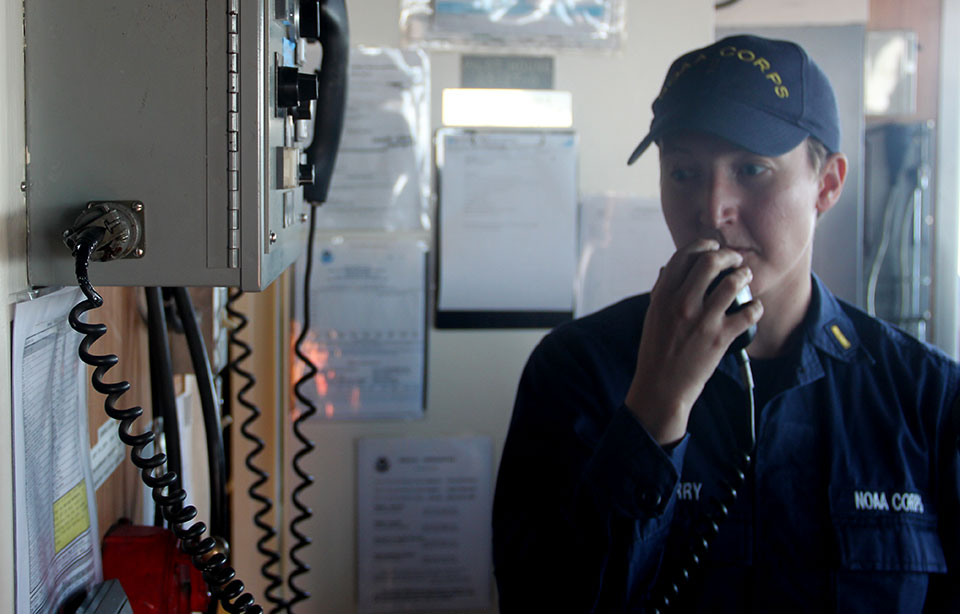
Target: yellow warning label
[844,342]
[70,516]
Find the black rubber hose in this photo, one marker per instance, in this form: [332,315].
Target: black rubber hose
[157,412]
[161,389]
[211,413]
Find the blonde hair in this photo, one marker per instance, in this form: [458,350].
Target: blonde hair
[817,152]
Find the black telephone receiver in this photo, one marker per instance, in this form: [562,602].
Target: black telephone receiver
[333,34]
[743,297]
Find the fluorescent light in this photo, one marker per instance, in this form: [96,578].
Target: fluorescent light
[507,108]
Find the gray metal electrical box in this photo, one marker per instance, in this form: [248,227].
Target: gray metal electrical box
[172,106]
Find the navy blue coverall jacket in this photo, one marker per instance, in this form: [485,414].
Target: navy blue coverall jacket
[851,504]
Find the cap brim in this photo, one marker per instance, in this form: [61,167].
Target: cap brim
[748,127]
[642,147]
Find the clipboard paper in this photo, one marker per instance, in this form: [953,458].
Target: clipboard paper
[507,230]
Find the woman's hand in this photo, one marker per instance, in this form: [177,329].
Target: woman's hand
[685,335]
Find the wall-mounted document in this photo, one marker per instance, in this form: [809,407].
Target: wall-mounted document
[423,524]
[507,228]
[381,180]
[524,24]
[623,243]
[57,554]
[367,328]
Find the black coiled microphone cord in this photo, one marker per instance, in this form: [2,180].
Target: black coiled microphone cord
[212,563]
[267,530]
[676,579]
[703,534]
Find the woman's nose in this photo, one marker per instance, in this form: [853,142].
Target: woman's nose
[722,201]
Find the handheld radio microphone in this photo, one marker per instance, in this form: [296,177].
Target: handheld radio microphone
[743,297]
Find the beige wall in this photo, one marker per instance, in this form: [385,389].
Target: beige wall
[793,12]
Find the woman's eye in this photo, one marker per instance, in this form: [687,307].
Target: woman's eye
[681,174]
[752,170]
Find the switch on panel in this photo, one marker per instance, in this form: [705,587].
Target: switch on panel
[306,174]
[294,88]
[289,163]
[310,19]
[292,173]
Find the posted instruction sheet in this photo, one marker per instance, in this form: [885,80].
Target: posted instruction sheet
[423,524]
[57,549]
[508,220]
[367,328]
[623,243]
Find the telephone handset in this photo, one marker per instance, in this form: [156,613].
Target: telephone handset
[674,580]
[333,34]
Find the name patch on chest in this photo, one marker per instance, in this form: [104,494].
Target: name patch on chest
[689,491]
[905,502]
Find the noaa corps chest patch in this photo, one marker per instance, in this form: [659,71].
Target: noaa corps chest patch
[881,501]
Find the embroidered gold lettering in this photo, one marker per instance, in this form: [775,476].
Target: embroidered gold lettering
[744,55]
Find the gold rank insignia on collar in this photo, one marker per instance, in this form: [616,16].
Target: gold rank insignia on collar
[840,337]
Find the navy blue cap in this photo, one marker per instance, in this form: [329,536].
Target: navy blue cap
[764,95]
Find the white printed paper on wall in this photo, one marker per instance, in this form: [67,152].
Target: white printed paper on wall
[508,227]
[367,328]
[423,528]
[623,243]
[57,553]
[381,180]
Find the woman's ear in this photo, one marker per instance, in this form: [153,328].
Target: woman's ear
[832,176]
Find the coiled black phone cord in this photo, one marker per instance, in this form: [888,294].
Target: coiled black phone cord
[709,526]
[268,532]
[220,577]
[306,446]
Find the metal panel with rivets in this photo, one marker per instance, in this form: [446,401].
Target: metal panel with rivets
[173,105]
